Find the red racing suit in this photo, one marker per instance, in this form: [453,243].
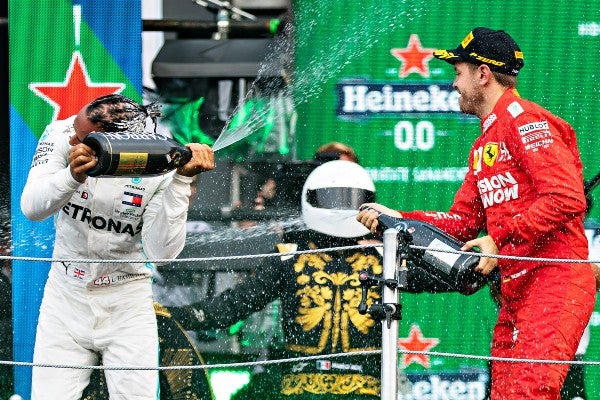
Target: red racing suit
[524,188]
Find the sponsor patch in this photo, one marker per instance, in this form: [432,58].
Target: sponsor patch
[488,122]
[443,215]
[536,136]
[42,152]
[515,109]
[486,60]
[477,160]
[535,145]
[465,42]
[533,126]
[508,278]
[326,365]
[498,189]
[107,280]
[83,214]
[504,153]
[299,367]
[132,199]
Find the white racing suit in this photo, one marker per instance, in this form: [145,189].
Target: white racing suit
[100,309]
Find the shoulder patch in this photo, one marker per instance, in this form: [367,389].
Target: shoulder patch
[515,109]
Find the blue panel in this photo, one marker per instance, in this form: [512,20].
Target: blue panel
[119,28]
[30,239]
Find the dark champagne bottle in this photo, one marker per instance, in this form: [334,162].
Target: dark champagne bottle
[135,153]
[456,270]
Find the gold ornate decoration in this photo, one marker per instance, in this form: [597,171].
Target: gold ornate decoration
[330,383]
[330,299]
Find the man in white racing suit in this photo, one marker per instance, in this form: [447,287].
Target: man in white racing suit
[103,310]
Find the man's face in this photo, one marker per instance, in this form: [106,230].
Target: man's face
[82,127]
[466,83]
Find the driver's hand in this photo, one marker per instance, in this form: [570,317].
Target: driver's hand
[487,246]
[369,212]
[203,159]
[81,159]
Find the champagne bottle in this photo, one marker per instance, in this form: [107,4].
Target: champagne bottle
[456,270]
[135,153]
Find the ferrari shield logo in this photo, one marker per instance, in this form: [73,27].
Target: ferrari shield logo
[490,152]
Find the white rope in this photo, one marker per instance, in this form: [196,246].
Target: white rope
[290,360]
[177,260]
[292,253]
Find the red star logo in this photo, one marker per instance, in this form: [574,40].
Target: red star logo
[416,342]
[77,90]
[414,58]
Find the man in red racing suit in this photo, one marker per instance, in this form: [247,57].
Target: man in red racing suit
[524,189]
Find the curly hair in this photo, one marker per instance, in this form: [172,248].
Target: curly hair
[114,113]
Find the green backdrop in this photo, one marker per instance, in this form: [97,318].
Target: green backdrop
[364,76]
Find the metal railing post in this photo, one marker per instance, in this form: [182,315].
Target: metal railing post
[389,331]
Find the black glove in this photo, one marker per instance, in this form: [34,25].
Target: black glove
[189,317]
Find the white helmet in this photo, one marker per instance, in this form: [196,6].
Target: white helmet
[331,196]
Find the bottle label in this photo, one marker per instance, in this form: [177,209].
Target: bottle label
[131,163]
[134,136]
[448,259]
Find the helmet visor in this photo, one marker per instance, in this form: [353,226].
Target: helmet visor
[339,198]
